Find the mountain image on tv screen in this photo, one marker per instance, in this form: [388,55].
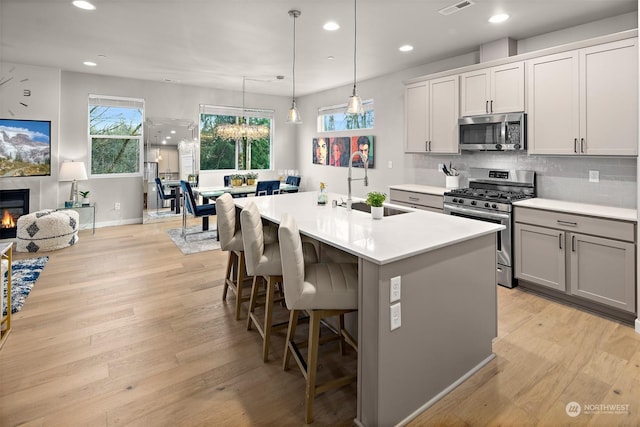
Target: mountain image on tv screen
[25,148]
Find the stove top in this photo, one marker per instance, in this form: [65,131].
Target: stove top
[488,195]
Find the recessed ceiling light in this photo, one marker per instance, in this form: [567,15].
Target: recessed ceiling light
[84,5]
[500,17]
[331,26]
[89,63]
[405,48]
[173,131]
[331,57]
[164,141]
[167,137]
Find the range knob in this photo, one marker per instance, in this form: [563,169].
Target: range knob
[455,200]
[460,201]
[494,206]
[486,205]
[473,203]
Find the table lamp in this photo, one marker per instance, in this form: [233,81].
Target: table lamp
[73,171]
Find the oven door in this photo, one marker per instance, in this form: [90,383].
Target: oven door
[503,243]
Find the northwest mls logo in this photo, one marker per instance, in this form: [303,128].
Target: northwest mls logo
[573,409]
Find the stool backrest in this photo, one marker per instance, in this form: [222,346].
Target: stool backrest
[292,258]
[293,180]
[226,216]
[160,189]
[252,236]
[267,188]
[189,200]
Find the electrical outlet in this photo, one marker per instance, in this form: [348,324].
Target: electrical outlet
[390,164]
[395,315]
[594,176]
[394,294]
[117,206]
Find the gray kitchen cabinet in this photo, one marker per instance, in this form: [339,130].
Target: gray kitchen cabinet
[594,256]
[540,256]
[431,116]
[417,200]
[498,89]
[585,101]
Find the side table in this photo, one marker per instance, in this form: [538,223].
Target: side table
[92,210]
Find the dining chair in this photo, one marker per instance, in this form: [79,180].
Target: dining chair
[264,264]
[267,188]
[162,195]
[190,206]
[322,290]
[293,180]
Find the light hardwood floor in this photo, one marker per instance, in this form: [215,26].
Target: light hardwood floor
[122,329]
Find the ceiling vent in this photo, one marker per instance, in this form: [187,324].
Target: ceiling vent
[456,7]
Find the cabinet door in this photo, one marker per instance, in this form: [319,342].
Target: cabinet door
[416,117]
[609,98]
[553,104]
[603,270]
[507,88]
[444,113]
[474,93]
[540,256]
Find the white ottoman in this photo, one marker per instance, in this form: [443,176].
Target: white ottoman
[47,230]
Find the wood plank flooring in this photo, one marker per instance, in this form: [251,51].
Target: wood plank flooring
[122,329]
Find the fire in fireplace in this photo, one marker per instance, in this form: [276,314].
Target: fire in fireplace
[13,204]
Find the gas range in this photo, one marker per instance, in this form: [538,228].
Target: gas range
[484,198]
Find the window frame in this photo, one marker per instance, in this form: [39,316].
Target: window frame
[115,101]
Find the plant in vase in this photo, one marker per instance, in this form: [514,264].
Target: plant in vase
[322,195]
[375,200]
[85,198]
[236,179]
[252,177]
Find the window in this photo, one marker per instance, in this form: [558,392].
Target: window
[233,150]
[115,135]
[335,118]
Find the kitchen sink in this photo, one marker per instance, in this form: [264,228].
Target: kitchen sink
[363,207]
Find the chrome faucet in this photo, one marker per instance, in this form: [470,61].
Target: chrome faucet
[349,179]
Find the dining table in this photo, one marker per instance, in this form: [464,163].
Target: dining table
[212,193]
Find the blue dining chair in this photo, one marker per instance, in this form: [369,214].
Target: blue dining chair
[293,180]
[164,196]
[227,181]
[194,209]
[267,188]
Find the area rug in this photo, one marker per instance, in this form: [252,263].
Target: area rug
[197,240]
[24,273]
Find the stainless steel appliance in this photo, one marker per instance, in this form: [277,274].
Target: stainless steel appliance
[495,132]
[489,198]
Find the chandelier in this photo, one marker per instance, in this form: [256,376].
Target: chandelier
[242,130]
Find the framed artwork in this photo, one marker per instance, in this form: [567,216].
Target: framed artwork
[364,144]
[320,151]
[339,151]
[25,147]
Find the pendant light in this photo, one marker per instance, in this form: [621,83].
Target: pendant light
[355,102]
[294,115]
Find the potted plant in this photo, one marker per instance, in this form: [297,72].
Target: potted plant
[236,179]
[375,200]
[85,198]
[252,177]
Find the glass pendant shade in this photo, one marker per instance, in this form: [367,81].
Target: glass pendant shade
[294,114]
[355,104]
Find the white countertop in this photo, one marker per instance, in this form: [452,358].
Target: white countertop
[380,241]
[580,208]
[417,188]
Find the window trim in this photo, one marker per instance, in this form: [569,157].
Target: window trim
[115,101]
[367,105]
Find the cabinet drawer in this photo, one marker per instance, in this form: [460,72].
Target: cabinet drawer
[620,230]
[417,199]
[421,207]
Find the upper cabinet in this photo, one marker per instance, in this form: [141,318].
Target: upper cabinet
[431,116]
[497,89]
[585,101]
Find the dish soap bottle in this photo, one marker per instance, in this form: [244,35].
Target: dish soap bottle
[322,195]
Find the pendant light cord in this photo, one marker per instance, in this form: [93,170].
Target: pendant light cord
[294,56]
[355,42]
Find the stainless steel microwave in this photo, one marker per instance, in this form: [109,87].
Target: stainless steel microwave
[495,132]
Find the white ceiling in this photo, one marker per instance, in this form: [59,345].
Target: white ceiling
[213,43]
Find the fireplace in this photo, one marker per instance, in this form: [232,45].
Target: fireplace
[13,204]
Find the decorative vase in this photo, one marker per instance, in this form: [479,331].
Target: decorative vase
[322,197]
[236,183]
[251,181]
[377,212]
[86,201]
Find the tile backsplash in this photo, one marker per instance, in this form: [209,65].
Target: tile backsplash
[562,178]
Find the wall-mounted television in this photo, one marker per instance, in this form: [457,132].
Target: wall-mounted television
[25,148]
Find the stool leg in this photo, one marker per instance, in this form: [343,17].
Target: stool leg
[228,275]
[252,302]
[312,364]
[343,350]
[241,275]
[268,316]
[291,333]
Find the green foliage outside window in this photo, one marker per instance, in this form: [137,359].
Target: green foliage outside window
[342,121]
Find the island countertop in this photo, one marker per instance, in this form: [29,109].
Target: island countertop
[379,241]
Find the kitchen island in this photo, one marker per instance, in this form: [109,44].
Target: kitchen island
[448,298]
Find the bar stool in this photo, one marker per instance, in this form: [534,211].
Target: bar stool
[263,262]
[322,290]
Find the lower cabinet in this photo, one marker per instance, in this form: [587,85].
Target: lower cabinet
[563,252]
[416,200]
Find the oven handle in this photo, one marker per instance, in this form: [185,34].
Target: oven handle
[477,212]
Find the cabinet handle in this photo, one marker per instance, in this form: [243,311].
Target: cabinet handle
[491,109]
[426,146]
[486,106]
[414,198]
[429,145]
[568,223]
[573,243]
[560,240]
[575,145]
[582,145]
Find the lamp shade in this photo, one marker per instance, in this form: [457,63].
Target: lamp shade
[72,171]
